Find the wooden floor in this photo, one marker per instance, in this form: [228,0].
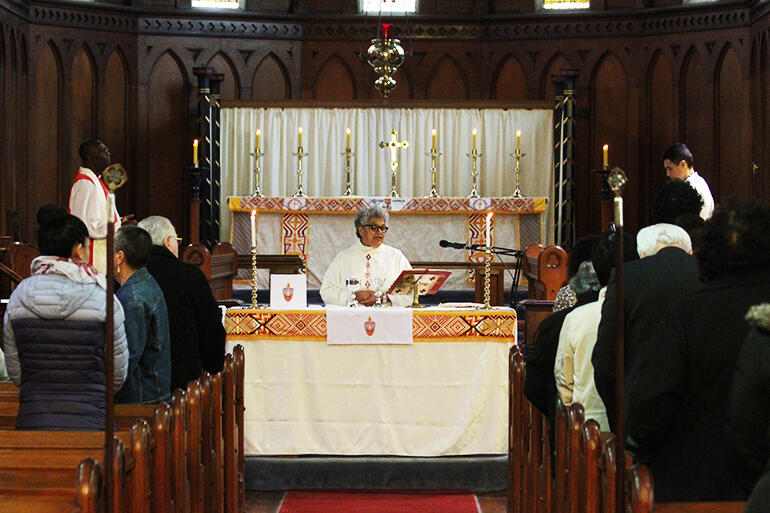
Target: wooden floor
[269,502]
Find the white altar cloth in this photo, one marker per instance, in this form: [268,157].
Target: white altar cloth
[437,397]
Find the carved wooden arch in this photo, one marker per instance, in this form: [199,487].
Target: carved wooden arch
[545,77]
[156,54]
[345,65]
[233,70]
[499,67]
[744,60]
[272,56]
[447,56]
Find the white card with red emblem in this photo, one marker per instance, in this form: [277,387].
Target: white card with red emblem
[288,291]
[367,326]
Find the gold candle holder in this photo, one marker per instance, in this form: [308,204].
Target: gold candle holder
[257,154]
[434,154]
[517,155]
[347,154]
[474,155]
[254,303]
[487,271]
[300,155]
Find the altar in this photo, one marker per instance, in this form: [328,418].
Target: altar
[445,394]
[319,228]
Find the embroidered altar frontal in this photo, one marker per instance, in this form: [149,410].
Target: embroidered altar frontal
[428,325]
[319,228]
[446,394]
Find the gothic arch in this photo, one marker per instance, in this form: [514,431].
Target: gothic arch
[509,69]
[335,80]
[271,72]
[554,66]
[230,89]
[446,73]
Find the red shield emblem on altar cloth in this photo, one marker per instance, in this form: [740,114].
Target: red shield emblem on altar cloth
[288,292]
[369,327]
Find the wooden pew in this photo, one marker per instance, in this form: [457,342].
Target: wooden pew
[220,266]
[545,269]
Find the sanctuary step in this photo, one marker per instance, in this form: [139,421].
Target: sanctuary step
[482,473]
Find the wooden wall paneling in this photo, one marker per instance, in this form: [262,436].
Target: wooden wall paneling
[762,177]
[448,81]
[697,120]
[230,86]
[663,119]
[82,109]
[733,127]
[555,64]
[610,116]
[270,80]
[167,106]
[510,81]
[44,141]
[403,91]
[6,173]
[114,133]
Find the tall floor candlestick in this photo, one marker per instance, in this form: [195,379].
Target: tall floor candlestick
[434,154]
[300,155]
[474,155]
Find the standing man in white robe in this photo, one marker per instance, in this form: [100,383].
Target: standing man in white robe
[88,199]
[677,159]
[366,260]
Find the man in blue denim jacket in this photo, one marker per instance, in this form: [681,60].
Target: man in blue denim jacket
[147,330]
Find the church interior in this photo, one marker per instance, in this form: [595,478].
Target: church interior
[576,106]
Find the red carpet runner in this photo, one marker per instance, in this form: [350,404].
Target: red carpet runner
[378,502]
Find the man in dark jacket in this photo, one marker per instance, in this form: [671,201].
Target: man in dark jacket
[678,386]
[197,334]
[651,287]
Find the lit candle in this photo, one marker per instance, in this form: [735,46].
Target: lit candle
[433,137]
[605,155]
[256,140]
[299,137]
[195,152]
[347,138]
[489,229]
[518,140]
[253,228]
[474,138]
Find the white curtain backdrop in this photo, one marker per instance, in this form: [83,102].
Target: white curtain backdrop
[324,139]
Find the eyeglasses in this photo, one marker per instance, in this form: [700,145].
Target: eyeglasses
[376,227]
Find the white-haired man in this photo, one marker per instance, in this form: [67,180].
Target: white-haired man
[651,286]
[195,322]
[368,260]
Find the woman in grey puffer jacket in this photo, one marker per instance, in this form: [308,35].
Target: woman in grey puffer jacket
[54,332]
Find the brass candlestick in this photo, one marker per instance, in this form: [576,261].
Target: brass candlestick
[347,154]
[487,270]
[257,172]
[517,155]
[254,277]
[474,172]
[300,155]
[434,155]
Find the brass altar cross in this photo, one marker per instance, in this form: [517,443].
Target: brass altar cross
[394,146]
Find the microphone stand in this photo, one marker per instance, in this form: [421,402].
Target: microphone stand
[500,252]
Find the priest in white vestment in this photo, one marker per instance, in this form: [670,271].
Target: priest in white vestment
[88,199]
[368,260]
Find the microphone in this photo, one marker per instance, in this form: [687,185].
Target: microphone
[458,245]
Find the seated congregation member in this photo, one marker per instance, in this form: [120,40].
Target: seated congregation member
[674,199]
[693,224]
[748,418]
[539,383]
[678,386]
[573,371]
[581,252]
[651,287]
[149,346]
[54,332]
[195,321]
[367,259]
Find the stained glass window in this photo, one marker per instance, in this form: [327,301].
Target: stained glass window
[375,6]
[217,4]
[566,4]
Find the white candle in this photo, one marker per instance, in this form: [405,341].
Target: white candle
[606,156]
[433,137]
[474,138]
[253,228]
[299,137]
[347,138]
[195,152]
[489,229]
[518,139]
[259,132]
